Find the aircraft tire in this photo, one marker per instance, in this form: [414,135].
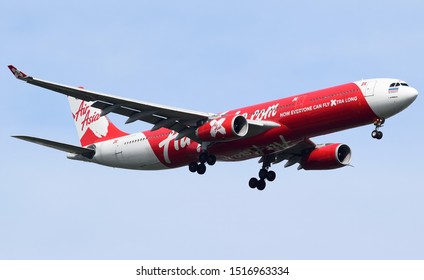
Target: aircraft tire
[261,185]
[192,166]
[271,176]
[201,169]
[263,173]
[253,183]
[203,157]
[211,160]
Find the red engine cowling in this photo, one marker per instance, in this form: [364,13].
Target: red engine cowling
[330,156]
[223,129]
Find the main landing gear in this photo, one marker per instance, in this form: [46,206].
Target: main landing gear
[200,167]
[376,133]
[264,174]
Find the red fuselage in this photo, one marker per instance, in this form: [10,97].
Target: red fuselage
[300,116]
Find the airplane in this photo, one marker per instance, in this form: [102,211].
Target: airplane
[274,131]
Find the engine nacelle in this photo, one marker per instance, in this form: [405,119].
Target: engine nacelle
[223,129]
[330,156]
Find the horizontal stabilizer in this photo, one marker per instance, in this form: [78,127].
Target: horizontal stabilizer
[89,153]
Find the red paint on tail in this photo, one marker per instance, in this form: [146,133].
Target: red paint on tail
[112,132]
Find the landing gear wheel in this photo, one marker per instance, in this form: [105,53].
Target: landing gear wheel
[261,185]
[211,160]
[192,167]
[253,183]
[203,157]
[271,176]
[201,169]
[376,134]
[263,173]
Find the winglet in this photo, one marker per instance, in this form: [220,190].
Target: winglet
[18,74]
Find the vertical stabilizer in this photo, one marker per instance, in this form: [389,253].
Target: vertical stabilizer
[91,127]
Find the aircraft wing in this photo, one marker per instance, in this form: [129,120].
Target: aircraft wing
[86,152]
[160,116]
[180,120]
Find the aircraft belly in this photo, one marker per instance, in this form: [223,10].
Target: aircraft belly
[267,143]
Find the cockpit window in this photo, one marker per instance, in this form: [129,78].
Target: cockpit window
[398,84]
[394,87]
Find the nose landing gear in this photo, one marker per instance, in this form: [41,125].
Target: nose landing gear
[376,133]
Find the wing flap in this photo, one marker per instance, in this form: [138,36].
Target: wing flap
[293,154]
[86,152]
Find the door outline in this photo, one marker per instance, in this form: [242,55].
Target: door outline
[118,151]
[369,88]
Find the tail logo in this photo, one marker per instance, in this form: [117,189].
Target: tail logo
[87,117]
[84,111]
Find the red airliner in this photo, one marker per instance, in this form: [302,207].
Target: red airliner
[273,131]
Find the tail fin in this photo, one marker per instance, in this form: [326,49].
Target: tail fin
[91,126]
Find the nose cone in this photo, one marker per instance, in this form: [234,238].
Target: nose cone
[406,96]
[411,94]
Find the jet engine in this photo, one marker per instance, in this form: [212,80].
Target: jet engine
[223,129]
[329,156]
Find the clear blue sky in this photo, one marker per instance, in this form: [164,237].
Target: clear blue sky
[208,56]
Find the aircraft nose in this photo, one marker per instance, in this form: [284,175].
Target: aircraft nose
[411,94]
